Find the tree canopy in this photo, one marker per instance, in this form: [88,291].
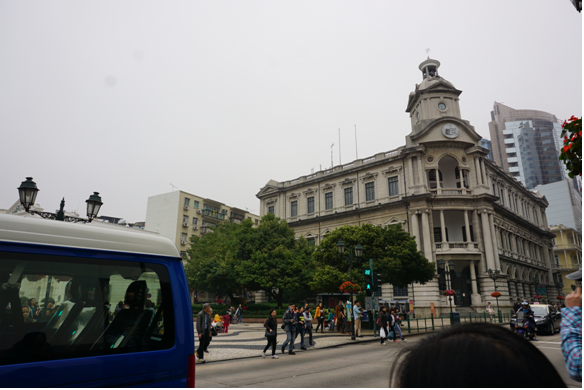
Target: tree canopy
[267,257]
[393,251]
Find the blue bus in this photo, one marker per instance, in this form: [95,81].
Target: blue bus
[92,305]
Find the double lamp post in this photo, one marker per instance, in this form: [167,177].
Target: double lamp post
[358,254]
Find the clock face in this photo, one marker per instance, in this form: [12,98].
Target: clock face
[442,106]
[450,130]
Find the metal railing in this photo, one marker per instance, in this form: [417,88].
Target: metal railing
[433,323]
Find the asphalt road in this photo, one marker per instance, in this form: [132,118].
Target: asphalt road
[361,365]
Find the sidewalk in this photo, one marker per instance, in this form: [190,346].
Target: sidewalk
[248,340]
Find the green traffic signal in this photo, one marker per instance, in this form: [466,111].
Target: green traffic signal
[367,272]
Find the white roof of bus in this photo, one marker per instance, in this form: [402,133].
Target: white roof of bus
[35,230]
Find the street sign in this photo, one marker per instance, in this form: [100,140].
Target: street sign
[376,305]
[368,303]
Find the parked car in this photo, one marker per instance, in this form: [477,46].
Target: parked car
[547,319]
[117,303]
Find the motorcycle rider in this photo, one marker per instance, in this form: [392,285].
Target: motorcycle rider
[528,314]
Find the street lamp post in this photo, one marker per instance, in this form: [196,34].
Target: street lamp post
[495,275]
[447,267]
[358,254]
[28,190]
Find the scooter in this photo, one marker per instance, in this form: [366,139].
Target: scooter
[522,326]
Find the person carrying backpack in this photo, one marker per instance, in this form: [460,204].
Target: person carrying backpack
[289,325]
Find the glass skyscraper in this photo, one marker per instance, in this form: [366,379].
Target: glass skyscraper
[527,143]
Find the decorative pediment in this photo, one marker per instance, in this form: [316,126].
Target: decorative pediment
[347,182]
[267,190]
[394,221]
[271,201]
[392,170]
[310,192]
[328,186]
[293,196]
[369,177]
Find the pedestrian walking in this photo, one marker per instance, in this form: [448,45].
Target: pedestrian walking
[308,326]
[203,331]
[571,329]
[490,310]
[331,320]
[289,324]
[383,332]
[397,326]
[391,325]
[238,314]
[319,315]
[226,322]
[300,326]
[271,326]
[339,317]
[358,314]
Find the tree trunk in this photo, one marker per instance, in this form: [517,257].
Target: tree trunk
[279,297]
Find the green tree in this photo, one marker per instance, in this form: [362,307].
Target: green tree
[270,258]
[212,259]
[393,251]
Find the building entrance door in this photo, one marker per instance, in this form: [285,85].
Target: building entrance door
[463,287]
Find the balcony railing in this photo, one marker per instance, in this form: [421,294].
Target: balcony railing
[451,191]
[568,246]
[206,229]
[213,214]
[457,246]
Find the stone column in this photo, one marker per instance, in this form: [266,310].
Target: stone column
[477,171]
[548,262]
[475,297]
[437,178]
[442,226]
[467,227]
[483,172]
[422,177]
[487,241]
[495,246]
[410,172]
[416,229]
[426,235]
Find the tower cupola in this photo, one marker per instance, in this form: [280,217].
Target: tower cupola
[429,68]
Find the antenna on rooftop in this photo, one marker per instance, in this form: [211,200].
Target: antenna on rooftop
[356,151]
[428,52]
[332,155]
[340,163]
[173,186]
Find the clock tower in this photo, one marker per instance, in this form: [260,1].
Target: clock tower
[434,98]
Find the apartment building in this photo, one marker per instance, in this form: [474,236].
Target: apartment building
[178,215]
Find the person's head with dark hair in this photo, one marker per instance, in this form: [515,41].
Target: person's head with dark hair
[273,312]
[485,355]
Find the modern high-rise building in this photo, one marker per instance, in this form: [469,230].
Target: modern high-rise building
[565,204]
[527,143]
[485,143]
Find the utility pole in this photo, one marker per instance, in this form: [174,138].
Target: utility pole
[375,333]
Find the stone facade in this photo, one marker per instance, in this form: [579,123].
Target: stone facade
[442,189]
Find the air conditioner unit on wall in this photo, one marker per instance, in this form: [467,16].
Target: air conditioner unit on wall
[186,207]
[199,212]
[183,242]
[185,224]
[195,227]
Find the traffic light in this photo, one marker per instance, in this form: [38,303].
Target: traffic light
[368,282]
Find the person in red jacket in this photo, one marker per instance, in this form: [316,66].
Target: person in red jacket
[226,322]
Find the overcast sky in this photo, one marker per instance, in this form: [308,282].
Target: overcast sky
[219,97]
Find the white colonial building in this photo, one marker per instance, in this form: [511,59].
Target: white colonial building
[440,186]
